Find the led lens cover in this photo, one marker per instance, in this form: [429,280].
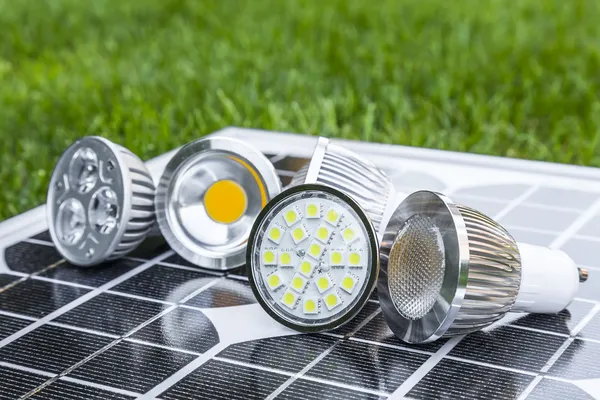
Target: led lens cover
[324,279]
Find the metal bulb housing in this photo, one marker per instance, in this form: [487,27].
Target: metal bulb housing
[345,170]
[312,258]
[447,269]
[100,202]
[208,198]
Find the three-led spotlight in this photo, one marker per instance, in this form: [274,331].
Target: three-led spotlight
[447,269]
[208,198]
[312,258]
[100,202]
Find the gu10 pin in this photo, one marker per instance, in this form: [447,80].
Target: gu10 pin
[342,169]
[100,202]
[208,198]
[447,270]
[312,258]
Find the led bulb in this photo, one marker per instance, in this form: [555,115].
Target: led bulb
[208,197]
[449,270]
[334,166]
[100,202]
[315,286]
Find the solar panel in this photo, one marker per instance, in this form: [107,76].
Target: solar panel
[153,326]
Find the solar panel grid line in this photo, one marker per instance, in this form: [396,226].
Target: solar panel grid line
[586,339]
[531,387]
[584,218]
[96,353]
[331,334]
[40,242]
[282,173]
[595,310]
[145,343]
[253,366]
[586,300]
[27,369]
[407,348]
[138,297]
[170,381]
[435,359]
[14,283]
[489,365]
[186,268]
[198,291]
[69,306]
[557,355]
[516,202]
[510,227]
[345,386]
[278,157]
[80,329]
[20,316]
[60,282]
[587,237]
[99,386]
[547,332]
[303,371]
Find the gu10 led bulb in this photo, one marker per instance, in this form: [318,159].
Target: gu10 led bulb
[312,258]
[208,197]
[447,270]
[345,170]
[100,202]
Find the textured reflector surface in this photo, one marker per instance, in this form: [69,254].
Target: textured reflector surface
[416,267]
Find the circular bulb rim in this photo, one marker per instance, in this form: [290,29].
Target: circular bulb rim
[372,239]
[258,161]
[125,210]
[440,317]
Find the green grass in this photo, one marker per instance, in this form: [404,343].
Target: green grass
[516,78]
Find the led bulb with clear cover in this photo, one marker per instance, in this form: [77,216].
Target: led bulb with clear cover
[312,258]
[100,202]
[208,197]
[447,270]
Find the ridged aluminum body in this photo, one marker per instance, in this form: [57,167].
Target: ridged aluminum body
[494,274]
[346,171]
[481,269]
[142,215]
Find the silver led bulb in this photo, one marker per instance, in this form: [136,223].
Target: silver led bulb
[312,258]
[345,170]
[100,202]
[447,270]
[208,197]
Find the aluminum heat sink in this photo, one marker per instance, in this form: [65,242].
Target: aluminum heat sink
[344,170]
[447,270]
